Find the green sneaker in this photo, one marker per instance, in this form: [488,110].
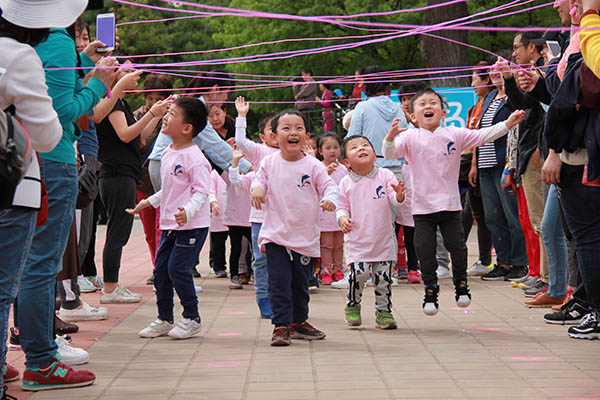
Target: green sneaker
[353,315]
[385,320]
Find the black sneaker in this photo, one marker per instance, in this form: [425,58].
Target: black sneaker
[589,328]
[516,272]
[196,273]
[281,336]
[150,281]
[430,302]
[461,293]
[497,274]
[539,286]
[313,284]
[304,330]
[569,314]
[13,342]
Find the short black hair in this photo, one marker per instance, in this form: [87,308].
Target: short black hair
[328,135]
[411,88]
[158,81]
[29,36]
[262,122]
[307,70]
[291,111]
[348,139]
[528,35]
[424,92]
[194,112]
[208,81]
[372,88]
[483,72]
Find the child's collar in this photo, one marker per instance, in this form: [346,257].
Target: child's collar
[356,177]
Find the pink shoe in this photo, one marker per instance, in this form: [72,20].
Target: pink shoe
[326,279]
[338,276]
[414,277]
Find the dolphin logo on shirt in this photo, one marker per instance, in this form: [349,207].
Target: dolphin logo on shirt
[305,181]
[177,171]
[379,193]
[450,149]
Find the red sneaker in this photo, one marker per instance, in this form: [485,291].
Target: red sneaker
[9,373]
[414,277]
[326,279]
[338,276]
[56,376]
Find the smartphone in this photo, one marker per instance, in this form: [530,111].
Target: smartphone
[553,48]
[105,31]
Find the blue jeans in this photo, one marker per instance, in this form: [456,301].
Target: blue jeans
[556,245]
[580,204]
[261,274]
[502,218]
[16,233]
[177,255]
[38,283]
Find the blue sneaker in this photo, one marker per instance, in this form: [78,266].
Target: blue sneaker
[265,308]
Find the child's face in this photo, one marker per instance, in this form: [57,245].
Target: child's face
[313,143]
[330,150]
[268,137]
[152,98]
[359,155]
[406,105]
[174,124]
[291,135]
[428,111]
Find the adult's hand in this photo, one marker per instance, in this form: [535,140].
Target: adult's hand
[104,72]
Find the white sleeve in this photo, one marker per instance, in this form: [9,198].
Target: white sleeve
[154,200]
[388,149]
[195,204]
[332,194]
[494,132]
[339,213]
[234,176]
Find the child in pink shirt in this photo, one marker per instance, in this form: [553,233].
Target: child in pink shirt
[184,220]
[218,227]
[433,153]
[332,237]
[366,216]
[291,187]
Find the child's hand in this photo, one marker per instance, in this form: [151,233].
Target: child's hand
[214,207]
[180,216]
[332,167]
[515,118]
[258,197]
[242,107]
[346,224]
[399,189]
[231,141]
[140,206]
[237,156]
[327,205]
[394,130]
[308,150]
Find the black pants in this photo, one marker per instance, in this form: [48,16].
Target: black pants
[412,262]
[454,240]
[236,233]
[473,209]
[217,259]
[118,194]
[88,264]
[288,284]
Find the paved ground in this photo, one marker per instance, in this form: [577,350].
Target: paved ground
[497,348]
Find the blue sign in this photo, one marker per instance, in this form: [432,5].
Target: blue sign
[459,101]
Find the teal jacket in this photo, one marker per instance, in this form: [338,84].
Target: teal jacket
[70,98]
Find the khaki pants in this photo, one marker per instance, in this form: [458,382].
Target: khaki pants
[532,185]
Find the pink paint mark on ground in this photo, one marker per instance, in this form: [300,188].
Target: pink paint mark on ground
[530,358]
[228,334]
[237,313]
[487,329]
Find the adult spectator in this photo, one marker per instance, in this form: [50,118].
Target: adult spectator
[305,94]
[220,121]
[358,88]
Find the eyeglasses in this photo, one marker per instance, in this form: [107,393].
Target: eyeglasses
[515,48]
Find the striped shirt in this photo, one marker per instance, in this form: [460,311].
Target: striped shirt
[487,152]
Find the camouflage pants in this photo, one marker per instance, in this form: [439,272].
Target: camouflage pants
[382,279]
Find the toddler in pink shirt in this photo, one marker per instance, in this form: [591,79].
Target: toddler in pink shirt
[218,227]
[367,202]
[433,153]
[291,187]
[184,201]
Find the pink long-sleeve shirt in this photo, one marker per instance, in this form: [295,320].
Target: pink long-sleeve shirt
[218,188]
[327,220]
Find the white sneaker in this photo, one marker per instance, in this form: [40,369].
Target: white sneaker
[119,295]
[156,329]
[85,286]
[198,288]
[85,313]
[443,273]
[70,355]
[394,281]
[185,329]
[369,282]
[341,284]
[478,269]
[129,292]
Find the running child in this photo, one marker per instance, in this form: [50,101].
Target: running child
[332,237]
[291,187]
[365,215]
[184,220]
[433,153]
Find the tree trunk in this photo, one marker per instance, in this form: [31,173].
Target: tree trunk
[442,53]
